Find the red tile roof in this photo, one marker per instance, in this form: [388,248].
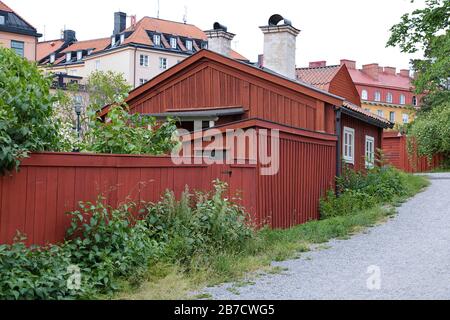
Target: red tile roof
[384,80]
[45,48]
[320,77]
[369,114]
[236,55]
[4,7]
[96,44]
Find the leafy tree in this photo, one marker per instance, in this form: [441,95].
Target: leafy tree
[26,111]
[427,29]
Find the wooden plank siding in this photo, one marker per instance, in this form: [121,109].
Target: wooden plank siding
[395,148]
[362,130]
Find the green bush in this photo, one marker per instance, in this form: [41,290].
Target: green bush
[109,245]
[26,110]
[363,190]
[199,224]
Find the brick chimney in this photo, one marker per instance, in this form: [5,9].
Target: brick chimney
[372,70]
[390,70]
[219,39]
[405,73]
[317,64]
[120,22]
[350,64]
[280,46]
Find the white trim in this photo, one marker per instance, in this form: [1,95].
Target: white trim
[370,154]
[348,147]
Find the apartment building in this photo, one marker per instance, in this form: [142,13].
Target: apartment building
[17,34]
[139,51]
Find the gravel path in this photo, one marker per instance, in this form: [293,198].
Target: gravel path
[411,252]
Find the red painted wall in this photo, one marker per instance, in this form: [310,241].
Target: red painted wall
[361,130]
[343,86]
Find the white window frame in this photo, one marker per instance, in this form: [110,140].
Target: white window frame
[156,39]
[377,96]
[122,38]
[52,58]
[365,95]
[405,118]
[390,116]
[402,99]
[142,81]
[113,41]
[389,97]
[348,145]
[2,20]
[189,45]
[163,65]
[173,43]
[380,113]
[79,55]
[68,56]
[144,60]
[370,152]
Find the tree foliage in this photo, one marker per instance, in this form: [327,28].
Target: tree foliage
[26,122]
[427,29]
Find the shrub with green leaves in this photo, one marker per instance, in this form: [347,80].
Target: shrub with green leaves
[25,110]
[363,190]
[110,246]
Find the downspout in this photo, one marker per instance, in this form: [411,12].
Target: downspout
[339,143]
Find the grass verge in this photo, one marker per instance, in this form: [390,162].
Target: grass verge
[168,281]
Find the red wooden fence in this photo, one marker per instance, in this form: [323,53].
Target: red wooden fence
[395,147]
[35,200]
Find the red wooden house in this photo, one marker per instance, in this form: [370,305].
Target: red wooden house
[219,90]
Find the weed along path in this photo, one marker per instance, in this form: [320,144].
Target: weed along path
[407,257]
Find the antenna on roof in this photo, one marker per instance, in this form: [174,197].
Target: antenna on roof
[158,10]
[185,14]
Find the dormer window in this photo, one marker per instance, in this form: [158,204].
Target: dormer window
[189,45]
[89,52]
[205,45]
[122,38]
[364,95]
[157,39]
[68,56]
[173,43]
[79,55]
[113,41]
[2,20]
[52,58]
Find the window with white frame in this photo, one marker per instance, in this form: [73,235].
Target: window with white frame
[189,45]
[79,55]
[2,20]
[349,145]
[173,43]
[52,58]
[370,152]
[377,96]
[90,51]
[163,63]
[68,56]
[142,81]
[143,60]
[389,98]
[402,99]
[157,40]
[380,113]
[392,116]
[122,38]
[364,95]
[405,118]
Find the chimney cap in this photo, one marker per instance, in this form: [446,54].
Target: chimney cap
[275,19]
[218,26]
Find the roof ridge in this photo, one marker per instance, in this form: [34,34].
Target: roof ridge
[325,67]
[179,22]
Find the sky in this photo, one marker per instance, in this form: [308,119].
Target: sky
[331,29]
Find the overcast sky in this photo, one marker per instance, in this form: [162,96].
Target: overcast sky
[331,29]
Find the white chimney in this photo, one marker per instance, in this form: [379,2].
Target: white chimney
[280,46]
[219,39]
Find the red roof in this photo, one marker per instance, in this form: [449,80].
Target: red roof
[96,44]
[44,49]
[384,80]
[320,77]
[369,114]
[4,7]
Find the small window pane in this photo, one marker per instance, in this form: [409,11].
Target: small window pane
[402,99]
[18,47]
[364,95]
[392,116]
[389,97]
[173,43]
[189,45]
[2,19]
[163,63]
